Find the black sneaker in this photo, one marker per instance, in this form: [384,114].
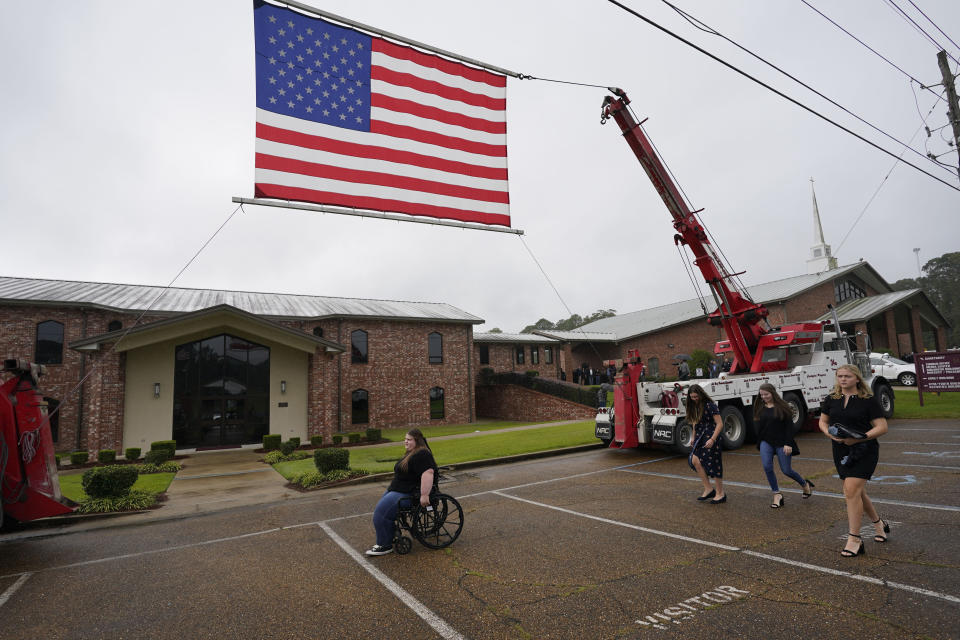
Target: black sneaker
[377,550]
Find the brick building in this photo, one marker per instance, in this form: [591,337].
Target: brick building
[518,353]
[128,365]
[882,319]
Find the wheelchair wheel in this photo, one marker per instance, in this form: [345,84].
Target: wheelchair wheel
[402,545]
[440,526]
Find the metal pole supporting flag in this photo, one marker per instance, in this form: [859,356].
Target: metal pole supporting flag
[363,213]
[380,32]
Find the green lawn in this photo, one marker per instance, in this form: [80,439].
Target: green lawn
[494,445]
[396,435]
[71,488]
[907,404]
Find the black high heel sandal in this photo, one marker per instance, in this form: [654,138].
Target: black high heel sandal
[886,529]
[808,488]
[776,504]
[846,553]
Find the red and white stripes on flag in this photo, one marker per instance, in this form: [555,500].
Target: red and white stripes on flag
[430,142]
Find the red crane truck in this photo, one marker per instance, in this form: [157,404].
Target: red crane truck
[796,358]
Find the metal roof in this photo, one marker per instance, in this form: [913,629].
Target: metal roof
[636,323]
[865,308]
[161,300]
[526,338]
[579,336]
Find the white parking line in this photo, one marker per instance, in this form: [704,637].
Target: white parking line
[428,616]
[888,464]
[826,494]
[12,589]
[707,543]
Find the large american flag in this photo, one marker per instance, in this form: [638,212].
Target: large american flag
[348,119]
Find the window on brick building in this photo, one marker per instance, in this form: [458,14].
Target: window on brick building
[534,355]
[49,347]
[114,325]
[847,290]
[360,407]
[436,403]
[548,355]
[484,354]
[54,417]
[435,347]
[519,356]
[318,331]
[358,346]
[653,367]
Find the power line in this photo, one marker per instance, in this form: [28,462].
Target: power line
[934,24]
[913,22]
[871,49]
[708,29]
[779,93]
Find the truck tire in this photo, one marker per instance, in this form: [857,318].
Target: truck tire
[684,438]
[798,409]
[884,395]
[734,427]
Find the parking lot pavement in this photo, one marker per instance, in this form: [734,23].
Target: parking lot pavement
[600,544]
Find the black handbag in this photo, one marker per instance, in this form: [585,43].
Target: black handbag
[840,431]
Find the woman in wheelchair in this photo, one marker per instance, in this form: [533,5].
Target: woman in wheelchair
[416,471]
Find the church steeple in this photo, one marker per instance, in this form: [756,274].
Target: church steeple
[820,258]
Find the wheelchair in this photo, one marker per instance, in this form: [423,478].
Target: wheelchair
[435,526]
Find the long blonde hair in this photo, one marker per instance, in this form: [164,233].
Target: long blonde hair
[421,444]
[780,407]
[863,391]
[695,409]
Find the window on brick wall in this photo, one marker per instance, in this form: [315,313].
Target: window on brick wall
[318,331]
[548,355]
[114,325]
[360,407]
[52,405]
[436,403]
[484,354]
[435,348]
[519,355]
[49,347]
[847,290]
[534,355]
[358,347]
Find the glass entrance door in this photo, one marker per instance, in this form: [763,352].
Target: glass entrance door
[221,392]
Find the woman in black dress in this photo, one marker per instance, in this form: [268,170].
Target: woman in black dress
[852,405]
[704,415]
[773,419]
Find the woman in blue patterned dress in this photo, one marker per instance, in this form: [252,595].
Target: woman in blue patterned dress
[703,414]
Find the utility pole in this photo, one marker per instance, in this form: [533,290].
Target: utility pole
[953,111]
[916,251]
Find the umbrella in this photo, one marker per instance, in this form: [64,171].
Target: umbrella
[681,356]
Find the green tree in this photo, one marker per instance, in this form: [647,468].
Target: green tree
[941,283]
[496,330]
[540,325]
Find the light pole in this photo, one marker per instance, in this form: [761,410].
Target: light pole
[916,251]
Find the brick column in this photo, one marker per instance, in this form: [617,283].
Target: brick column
[941,338]
[861,328]
[890,318]
[916,330]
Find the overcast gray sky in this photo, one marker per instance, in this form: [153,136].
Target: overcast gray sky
[128,126]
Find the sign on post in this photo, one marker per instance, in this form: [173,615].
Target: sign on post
[937,371]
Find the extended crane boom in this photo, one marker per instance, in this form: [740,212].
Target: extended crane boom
[740,316]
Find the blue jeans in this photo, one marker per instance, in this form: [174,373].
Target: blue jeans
[384,514]
[766,458]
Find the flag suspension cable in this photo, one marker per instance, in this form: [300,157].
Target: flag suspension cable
[347,211]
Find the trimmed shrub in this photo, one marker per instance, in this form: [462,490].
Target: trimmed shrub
[532,374]
[107,456]
[309,479]
[340,474]
[134,500]
[109,482]
[295,441]
[337,438]
[288,447]
[353,437]
[133,453]
[273,457]
[327,460]
[373,435]
[168,445]
[164,467]
[317,441]
[272,441]
[581,395]
[79,457]
[157,456]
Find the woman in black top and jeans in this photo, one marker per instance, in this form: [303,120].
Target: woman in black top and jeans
[417,470]
[772,417]
[852,404]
